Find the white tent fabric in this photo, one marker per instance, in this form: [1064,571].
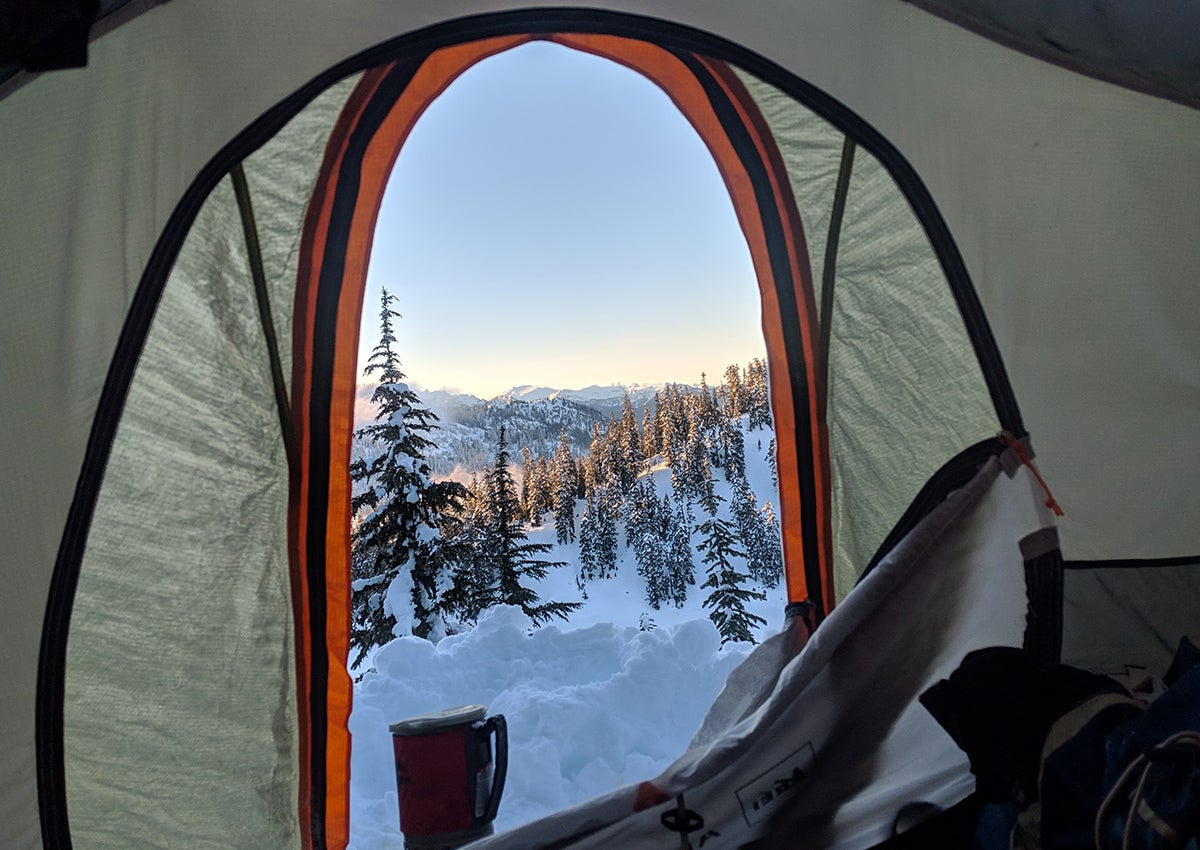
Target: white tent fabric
[840,745]
[1073,202]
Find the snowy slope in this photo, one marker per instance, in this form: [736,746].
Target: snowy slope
[611,697]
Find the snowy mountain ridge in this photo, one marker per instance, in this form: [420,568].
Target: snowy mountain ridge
[610,395]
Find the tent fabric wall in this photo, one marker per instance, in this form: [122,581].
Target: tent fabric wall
[1072,201]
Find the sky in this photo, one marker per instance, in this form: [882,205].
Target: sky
[553,220]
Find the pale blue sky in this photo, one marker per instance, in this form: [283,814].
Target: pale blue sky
[553,220]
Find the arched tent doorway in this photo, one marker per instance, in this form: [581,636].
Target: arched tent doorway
[290,264]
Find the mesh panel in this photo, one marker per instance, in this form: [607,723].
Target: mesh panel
[812,151]
[180,703]
[281,176]
[180,715]
[1114,617]
[905,390]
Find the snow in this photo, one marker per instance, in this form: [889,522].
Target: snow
[529,393]
[591,704]
[609,394]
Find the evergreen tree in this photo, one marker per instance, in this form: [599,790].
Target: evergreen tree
[706,406]
[759,535]
[613,457]
[679,568]
[694,462]
[756,395]
[734,394]
[564,491]
[596,470]
[582,477]
[630,447]
[403,512]
[708,498]
[733,449]
[727,601]
[671,424]
[506,546]
[771,555]
[645,533]
[598,546]
[589,561]
[528,464]
[607,507]
[474,581]
[649,431]
[543,489]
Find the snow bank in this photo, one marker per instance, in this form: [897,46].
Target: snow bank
[574,699]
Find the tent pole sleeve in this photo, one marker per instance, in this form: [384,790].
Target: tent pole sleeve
[829,269]
[254,251]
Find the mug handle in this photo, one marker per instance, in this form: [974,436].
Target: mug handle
[496,723]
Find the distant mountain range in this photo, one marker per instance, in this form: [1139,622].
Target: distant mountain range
[532,416]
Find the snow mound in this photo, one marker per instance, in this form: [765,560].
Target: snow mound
[575,701]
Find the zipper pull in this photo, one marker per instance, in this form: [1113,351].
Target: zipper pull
[1009,440]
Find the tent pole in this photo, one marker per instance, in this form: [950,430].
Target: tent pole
[254,252]
[829,269]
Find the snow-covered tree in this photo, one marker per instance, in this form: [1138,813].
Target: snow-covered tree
[598,536]
[564,491]
[630,447]
[507,549]
[759,534]
[756,395]
[649,431]
[474,579]
[727,601]
[397,536]
[732,448]
[589,561]
[734,394]
[772,543]
[671,424]
[645,532]
[528,465]
[692,472]
[537,488]
[679,568]
[706,412]
[607,508]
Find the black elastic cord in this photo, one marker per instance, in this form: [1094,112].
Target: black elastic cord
[254,251]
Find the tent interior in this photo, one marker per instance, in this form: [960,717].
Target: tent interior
[973,231]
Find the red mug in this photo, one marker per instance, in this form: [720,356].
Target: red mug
[448,784]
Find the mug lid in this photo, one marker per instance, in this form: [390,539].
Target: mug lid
[443,719]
